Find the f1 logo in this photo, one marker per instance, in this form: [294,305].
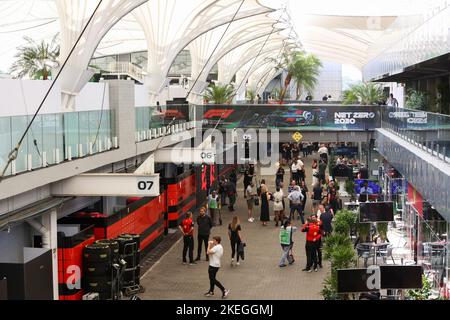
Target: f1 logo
[219,113]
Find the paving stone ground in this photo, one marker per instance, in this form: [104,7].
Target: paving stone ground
[257,278]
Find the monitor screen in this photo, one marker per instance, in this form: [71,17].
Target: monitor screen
[352,280]
[346,151]
[401,277]
[376,212]
[371,188]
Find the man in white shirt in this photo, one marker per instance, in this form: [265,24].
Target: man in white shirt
[392,102]
[215,252]
[320,211]
[301,171]
[296,198]
[323,152]
[294,171]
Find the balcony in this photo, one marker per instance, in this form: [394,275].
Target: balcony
[55,138]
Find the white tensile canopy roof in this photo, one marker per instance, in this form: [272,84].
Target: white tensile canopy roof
[346,31]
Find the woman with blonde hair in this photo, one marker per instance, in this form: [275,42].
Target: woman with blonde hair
[235,236]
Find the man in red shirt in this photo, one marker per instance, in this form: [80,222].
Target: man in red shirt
[187,228]
[313,229]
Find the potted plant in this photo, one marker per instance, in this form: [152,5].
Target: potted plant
[338,249]
[363,231]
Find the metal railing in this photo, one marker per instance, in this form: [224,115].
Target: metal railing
[428,131]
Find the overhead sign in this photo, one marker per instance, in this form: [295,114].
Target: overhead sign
[185,155]
[297,137]
[295,117]
[108,184]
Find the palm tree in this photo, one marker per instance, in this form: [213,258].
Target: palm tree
[303,69]
[366,93]
[36,59]
[250,95]
[219,94]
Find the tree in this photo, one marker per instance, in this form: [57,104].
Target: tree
[36,59]
[303,69]
[219,94]
[366,93]
[416,100]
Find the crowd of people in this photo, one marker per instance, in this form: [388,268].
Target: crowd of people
[287,207]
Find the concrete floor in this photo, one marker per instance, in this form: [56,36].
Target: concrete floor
[258,277]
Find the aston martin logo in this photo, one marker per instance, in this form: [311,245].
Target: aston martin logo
[297,136]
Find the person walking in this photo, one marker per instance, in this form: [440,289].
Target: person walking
[301,170]
[332,197]
[286,241]
[323,152]
[294,171]
[313,237]
[247,180]
[187,228]
[204,224]
[322,169]
[233,177]
[231,191]
[250,196]
[317,196]
[235,236]
[304,190]
[213,206]
[326,217]
[315,173]
[215,252]
[265,215]
[278,205]
[296,198]
[279,175]
[223,191]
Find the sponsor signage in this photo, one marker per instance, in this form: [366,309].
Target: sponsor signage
[294,117]
[412,117]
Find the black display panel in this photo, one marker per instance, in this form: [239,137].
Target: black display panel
[352,280]
[401,277]
[376,212]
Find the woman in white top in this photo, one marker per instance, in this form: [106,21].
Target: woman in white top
[215,252]
[278,205]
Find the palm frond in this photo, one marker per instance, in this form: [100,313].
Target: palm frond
[36,59]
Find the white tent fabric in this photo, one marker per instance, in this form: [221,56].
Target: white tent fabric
[230,64]
[170,25]
[348,31]
[239,33]
[74,15]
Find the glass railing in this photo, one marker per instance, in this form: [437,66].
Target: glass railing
[156,121]
[429,131]
[54,138]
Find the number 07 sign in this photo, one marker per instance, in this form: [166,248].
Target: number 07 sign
[108,184]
